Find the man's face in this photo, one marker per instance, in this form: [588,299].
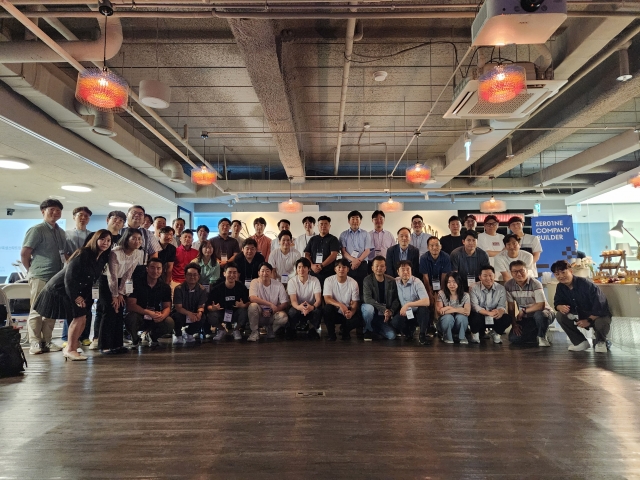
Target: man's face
[166,238]
[323,227]
[354,222]
[236,227]
[434,247]
[115,224]
[81,219]
[302,270]
[51,214]
[159,224]
[284,226]
[564,276]
[455,227]
[178,226]
[379,267]
[192,275]
[308,225]
[487,277]
[403,238]
[404,272]
[513,247]
[231,274]
[285,242]
[417,225]
[516,227]
[378,222]
[470,244]
[223,228]
[259,228]
[147,222]
[491,226]
[470,223]
[202,235]
[186,239]
[154,270]
[249,252]
[135,217]
[341,271]
[264,273]
[519,273]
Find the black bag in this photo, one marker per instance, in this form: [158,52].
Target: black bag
[12,360]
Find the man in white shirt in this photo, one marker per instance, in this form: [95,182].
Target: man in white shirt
[490,241]
[512,253]
[305,293]
[269,303]
[236,232]
[301,242]
[419,238]
[381,239]
[283,225]
[203,233]
[77,238]
[159,223]
[341,296]
[283,258]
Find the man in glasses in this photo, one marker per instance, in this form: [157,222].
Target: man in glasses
[528,307]
[490,241]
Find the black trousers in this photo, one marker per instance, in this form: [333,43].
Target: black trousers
[112,323]
[406,325]
[180,321]
[296,317]
[477,323]
[332,316]
[359,275]
[134,322]
[216,319]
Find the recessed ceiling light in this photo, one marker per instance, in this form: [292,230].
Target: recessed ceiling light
[380,76]
[13,164]
[121,204]
[77,188]
[27,204]
[59,197]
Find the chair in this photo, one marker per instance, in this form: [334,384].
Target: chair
[12,291]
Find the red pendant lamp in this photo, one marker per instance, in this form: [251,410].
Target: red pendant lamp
[502,83]
[290,206]
[204,176]
[635,181]
[418,173]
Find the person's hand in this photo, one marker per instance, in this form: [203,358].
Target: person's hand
[520,315]
[584,324]
[239,304]
[348,314]
[564,309]
[355,264]
[446,310]
[117,302]
[498,314]
[516,329]
[387,315]
[222,263]
[80,302]
[316,267]
[215,307]
[403,311]
[344,309]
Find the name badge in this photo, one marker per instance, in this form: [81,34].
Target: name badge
[488,320]
[95,293]
[410,314]
[471,280]
[147,317]
[189,320]
[223,257]
[355,254]
[377,252]
[228,315]
[206,287]
[62,257]
[247,283]
[284,277]
[319,257]
[128,287]
[436,285]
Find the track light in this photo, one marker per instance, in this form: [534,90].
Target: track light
[467,146]
[453,198]
[623,61]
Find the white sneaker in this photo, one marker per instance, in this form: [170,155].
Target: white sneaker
[601,347]
[495,337]
[237,335]
[475,337]
[446,340]
[543,342]
[464,341]
[270,333]
[145,339]
[52,347]
[189,338]
[254,337]
[580,347]
[35,349]
[94,344]
[220,335]
[178,340]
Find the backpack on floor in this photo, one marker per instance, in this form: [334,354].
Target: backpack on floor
[12,359]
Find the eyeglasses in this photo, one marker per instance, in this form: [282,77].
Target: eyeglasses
[519,272]
[192,274]
[490,224]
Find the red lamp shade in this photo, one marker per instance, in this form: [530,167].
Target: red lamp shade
[103,90]
[635,181]
[391,206]
[203,176]
[502,83]
[289,207]
[493,206]
[418,174]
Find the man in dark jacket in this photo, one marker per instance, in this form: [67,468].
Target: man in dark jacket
[403,251]
[381,302]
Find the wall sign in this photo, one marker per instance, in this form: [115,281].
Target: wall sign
[556,237]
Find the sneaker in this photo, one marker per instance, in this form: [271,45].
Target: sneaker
[86,342]
[464,341]
[35,349]
[601,347]
[423,339]
[346,336]
[94,344]
[270,333]
[543,342]
[153,343]
[145,340]
[580,347]
[237,335]
[178,340]
[495,337]
[207,338]
[313,334]
[446,340]
[189,338]
[608,343]
[332,336]
[475,338]
[220,335]
[64,344]
[52,347]
[368,336]
[408,336]
[254,337]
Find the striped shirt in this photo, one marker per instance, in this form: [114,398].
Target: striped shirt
[531,293]
[420,241]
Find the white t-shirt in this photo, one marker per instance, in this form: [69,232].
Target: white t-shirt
[274,293]
[302,240]
[503,260]
[342,292]
[491,243]
[532,242]
[304,292]
[284,263]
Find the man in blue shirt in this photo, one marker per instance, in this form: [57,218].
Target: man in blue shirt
[434,266]
[356,245]
[414,303]
[419,238]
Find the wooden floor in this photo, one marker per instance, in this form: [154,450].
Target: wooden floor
[391,411]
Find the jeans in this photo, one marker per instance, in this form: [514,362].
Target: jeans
[477,323]
[257,319]
[453,322]
[374,322]
[601,326]
[240,316]
[532,327]
[134,322]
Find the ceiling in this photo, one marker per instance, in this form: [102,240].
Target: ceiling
[268,94]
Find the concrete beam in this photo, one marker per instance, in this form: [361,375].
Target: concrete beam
[257,42]
[603,187]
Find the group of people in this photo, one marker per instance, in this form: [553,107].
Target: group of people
[152,280]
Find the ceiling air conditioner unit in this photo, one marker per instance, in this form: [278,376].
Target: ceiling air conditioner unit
[467,106]
[505,22]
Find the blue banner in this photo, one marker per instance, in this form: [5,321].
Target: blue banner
[556,237]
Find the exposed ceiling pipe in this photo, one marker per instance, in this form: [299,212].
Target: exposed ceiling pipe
[183,3]
[543,62]
[348,50]
[173,170]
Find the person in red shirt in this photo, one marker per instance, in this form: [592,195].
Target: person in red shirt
[184,256]
[264,242]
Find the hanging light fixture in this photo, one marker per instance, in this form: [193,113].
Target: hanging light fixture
[635,181]
[390,205]
[204,176]
[502,83]
[100,88]
[290,206]
[418,173]
[492,205]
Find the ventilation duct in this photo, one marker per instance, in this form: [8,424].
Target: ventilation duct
[103,122]
[173,170]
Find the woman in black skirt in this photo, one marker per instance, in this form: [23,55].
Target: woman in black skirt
[68,294]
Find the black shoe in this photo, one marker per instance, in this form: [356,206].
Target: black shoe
[313,334]
[359,332]
[368,336]
[424,340]
[332,337]
[408,337]
[291,334]
[346,336]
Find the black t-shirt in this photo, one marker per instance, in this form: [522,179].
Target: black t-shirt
[167,254]
[248,271]
[449,243]
[227,297]
[151,298]
[381,292]
[325,245]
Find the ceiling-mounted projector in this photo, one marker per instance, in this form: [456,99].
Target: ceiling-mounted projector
[506,22]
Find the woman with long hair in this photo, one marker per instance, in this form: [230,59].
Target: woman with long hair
[124,259]
[453,306]
[68,294]
[209,266]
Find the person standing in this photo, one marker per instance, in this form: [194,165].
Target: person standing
[322,250]
[403,251]
[43,255]
[418,237]
[305,294]
[381,304]
[225,246]
[488,306]
[414,301]
[511,253]
[284,258]
[434,266]
[159,223]
[469,260]
[262,241]
[202,233]
[189,298]
[528,243]
[147,222]
[470,223]
[269,304]
[283,225]
[167,254]
[236,232]
[454,307]
[227,304]
[178,225]
[454,239]
[150,245]
[184,256]
[490,241]
[341,297]
[356,245]
[301,242]
[381,239]
[579,254]
[68,294]
[115,221]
